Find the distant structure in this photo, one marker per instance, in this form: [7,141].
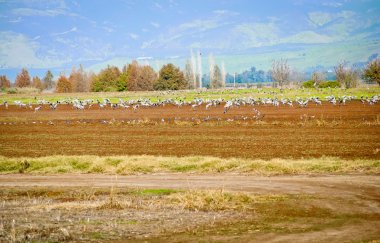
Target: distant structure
[199,57]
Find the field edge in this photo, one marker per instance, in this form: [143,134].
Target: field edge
[148,164]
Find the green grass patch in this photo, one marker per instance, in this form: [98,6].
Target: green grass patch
[156,192]
[191,94]
[184,168]
[144,164]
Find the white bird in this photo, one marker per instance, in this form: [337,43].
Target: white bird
[37,108]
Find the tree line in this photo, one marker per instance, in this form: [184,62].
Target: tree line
[137,77]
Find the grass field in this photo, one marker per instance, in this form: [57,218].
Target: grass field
[191,94]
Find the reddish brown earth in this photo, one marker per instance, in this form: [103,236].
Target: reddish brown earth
[350,131]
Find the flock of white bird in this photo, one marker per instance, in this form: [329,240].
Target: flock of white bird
[195,104]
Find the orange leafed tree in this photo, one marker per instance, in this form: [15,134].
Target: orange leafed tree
[23,79]
[4,82]
[64,85]
[79,79]
[36,83]
[132,76]
[140,77]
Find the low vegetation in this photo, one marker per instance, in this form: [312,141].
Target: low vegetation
[321,84]
[127,165]
[24,95]
[96,214]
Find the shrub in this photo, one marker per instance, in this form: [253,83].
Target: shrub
[26,90]
[23,166]
[308,84]
[329,84]
[12,91]
[322,84]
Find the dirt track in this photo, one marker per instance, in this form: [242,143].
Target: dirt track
[335,208]
[338,185]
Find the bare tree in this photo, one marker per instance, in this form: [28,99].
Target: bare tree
[296,77]
[48,80]
[318,77]
[348,77]
[280,72]
[216,80]
[189,75]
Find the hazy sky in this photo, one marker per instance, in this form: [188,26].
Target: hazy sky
[56,34]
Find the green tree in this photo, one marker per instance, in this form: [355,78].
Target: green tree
[48,82]
[372,71]
[23,79]
[64,85]
[106,80]
[217,81]
[170,77]
[122,81]
[4,82]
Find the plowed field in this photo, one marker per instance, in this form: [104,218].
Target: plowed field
[346,131]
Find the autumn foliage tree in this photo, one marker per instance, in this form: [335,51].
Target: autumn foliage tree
[170,77]
[147,78]
[4,82]
[64,85]
[36,83]
[23,79]
[139,77]
[132,74]
[79,79]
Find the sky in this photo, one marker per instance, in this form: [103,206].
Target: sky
[59,34]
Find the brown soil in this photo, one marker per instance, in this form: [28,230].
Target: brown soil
[343,185]
[350,131]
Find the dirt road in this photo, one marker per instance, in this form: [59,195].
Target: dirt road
[329,208]
[343,185]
